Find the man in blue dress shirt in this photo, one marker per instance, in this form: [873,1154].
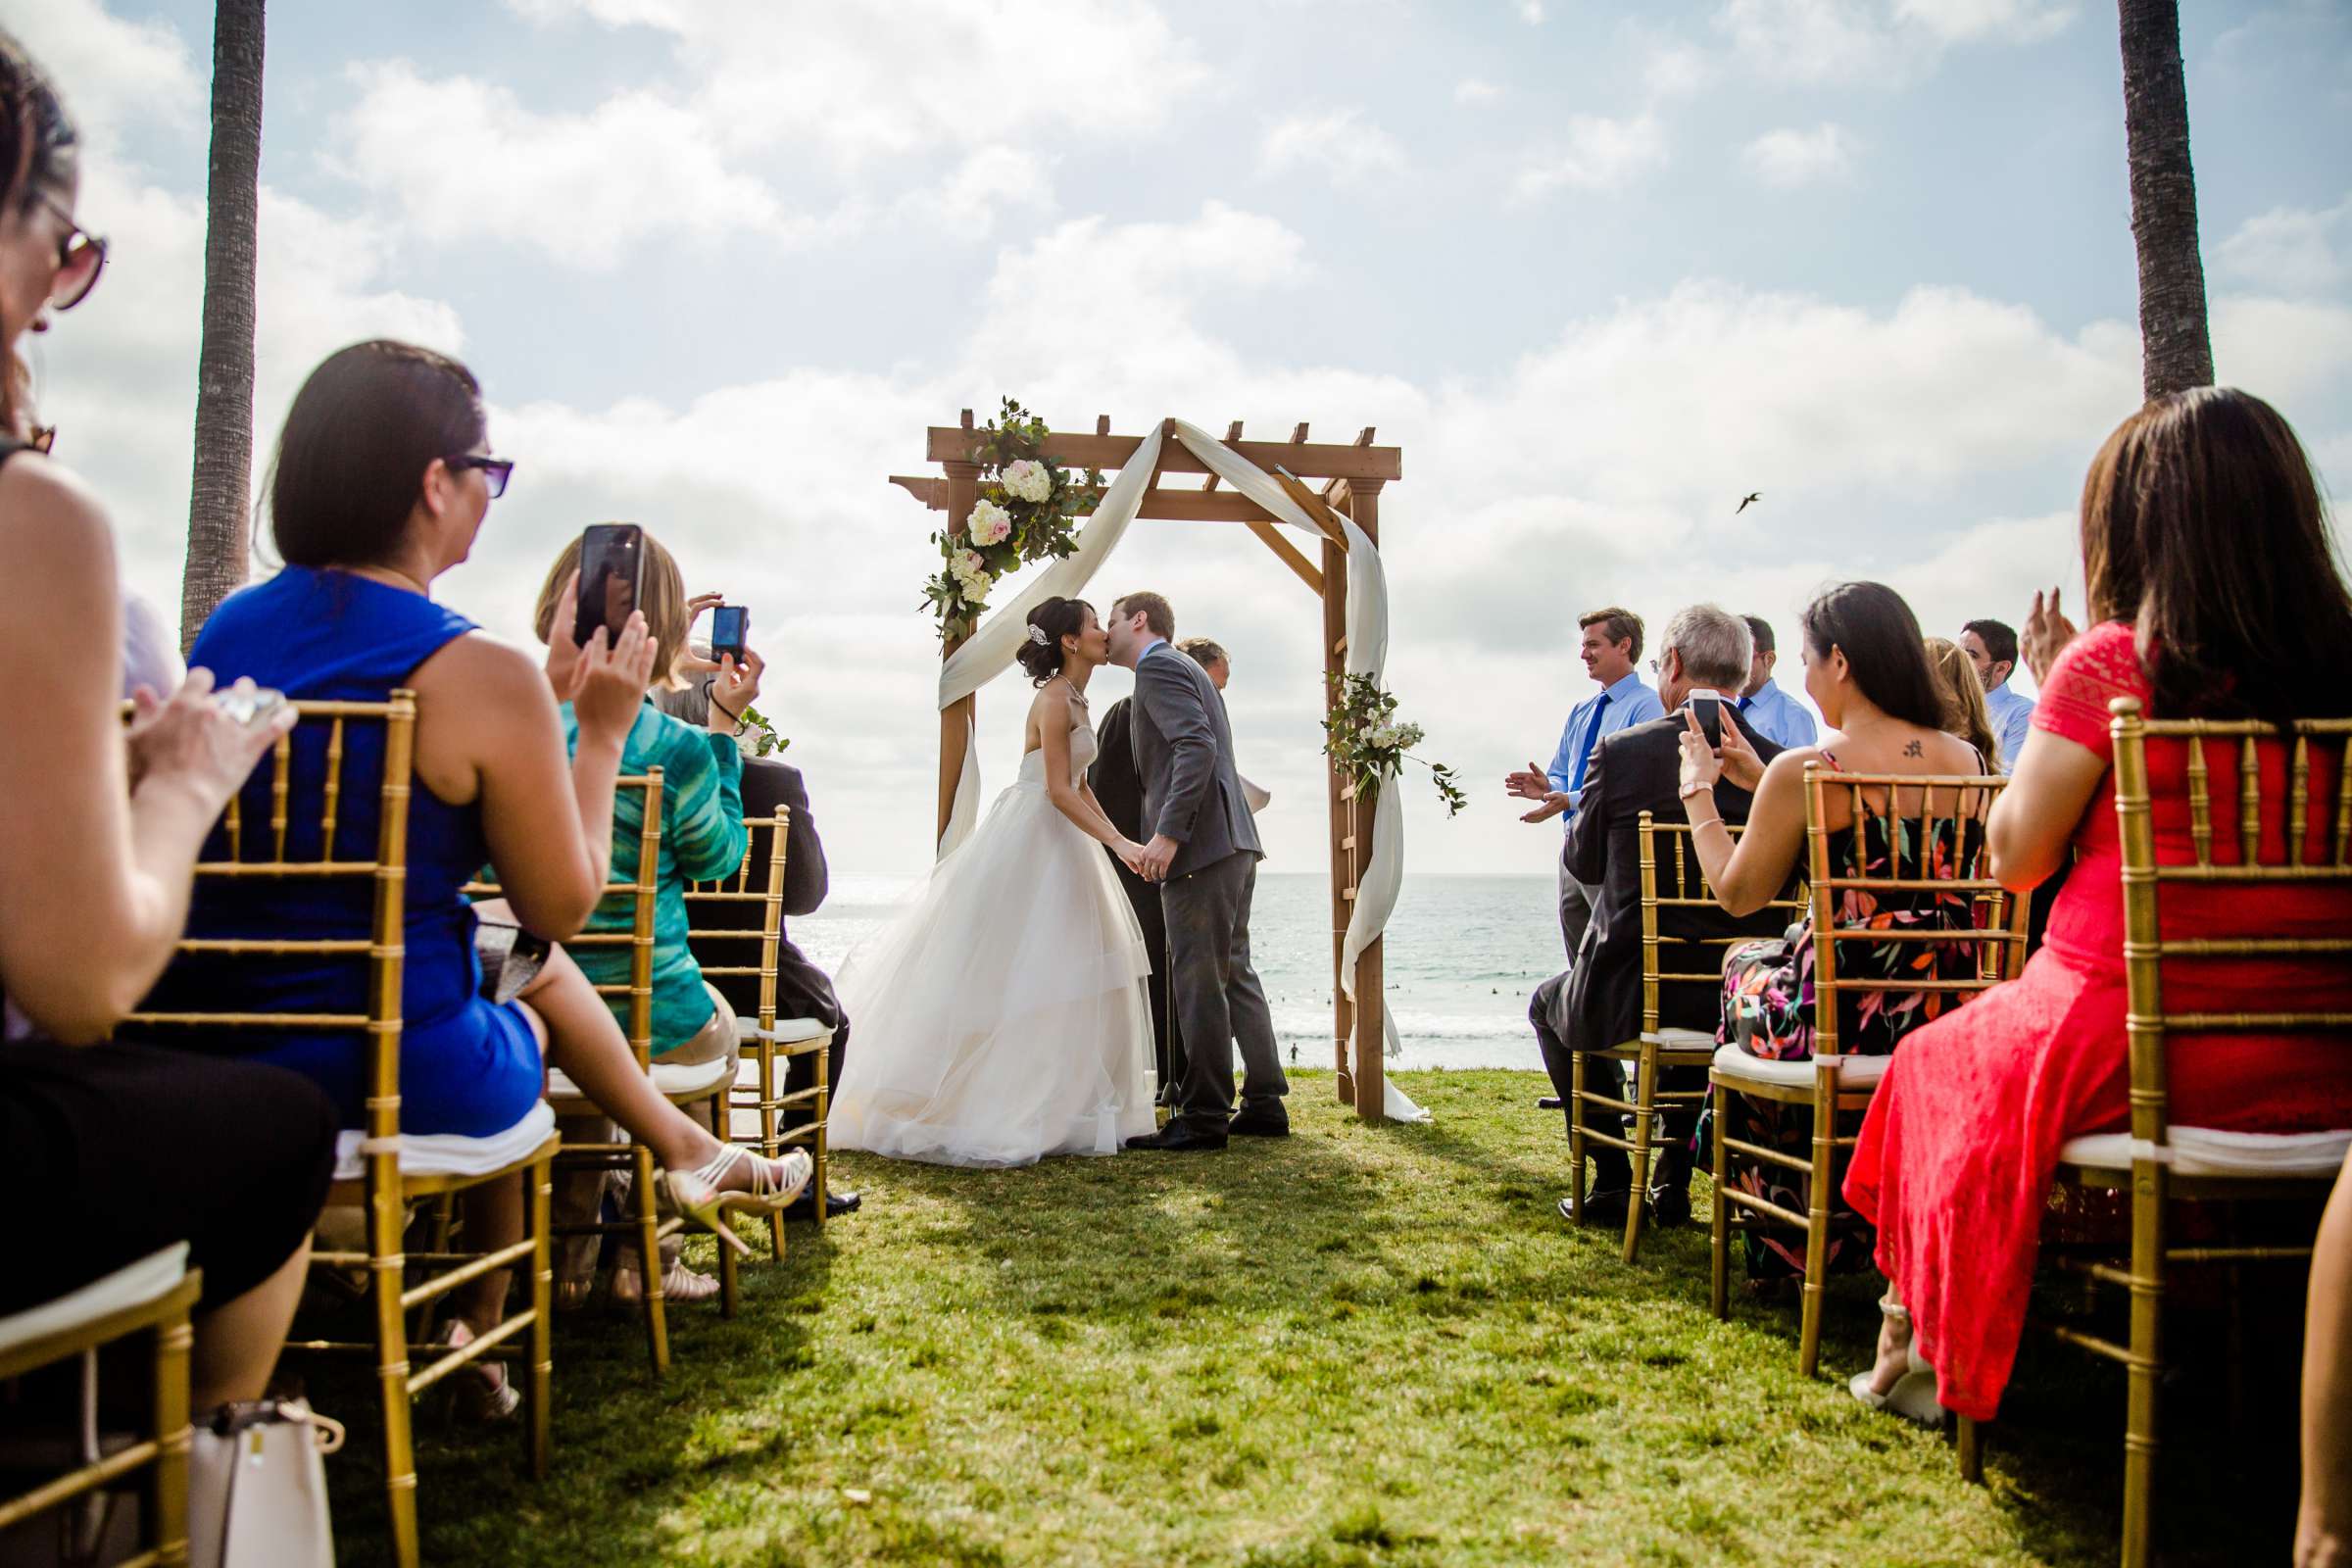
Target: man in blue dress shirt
[1768,711]
[1992,647]
[1611,647]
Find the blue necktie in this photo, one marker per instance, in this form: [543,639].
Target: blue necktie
[1584,758]
[1744,702]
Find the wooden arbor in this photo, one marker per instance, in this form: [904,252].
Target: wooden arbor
[1351,478]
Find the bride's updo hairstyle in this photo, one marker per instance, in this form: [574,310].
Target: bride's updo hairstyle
[1041,652]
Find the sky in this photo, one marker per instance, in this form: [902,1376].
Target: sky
[1599,271]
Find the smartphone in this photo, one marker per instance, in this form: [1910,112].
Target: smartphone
[611,571]
[1709,708]
[730,631]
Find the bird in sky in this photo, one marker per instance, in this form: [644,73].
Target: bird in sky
[1752,497]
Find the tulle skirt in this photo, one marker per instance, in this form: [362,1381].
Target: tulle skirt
[1001,1015]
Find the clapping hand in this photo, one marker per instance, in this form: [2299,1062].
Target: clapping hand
[1554,802]
[1533,784]
[2047,632]
[1701,768]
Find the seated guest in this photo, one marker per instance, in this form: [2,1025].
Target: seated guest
[1992,647]
[1635,770]
[1768,711]
[2216,594]
[803,990]
[1963,698]
[1867,669]
[381,481]
[112,1152]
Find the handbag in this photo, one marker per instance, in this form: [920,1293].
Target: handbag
[257,1486]
[511,958]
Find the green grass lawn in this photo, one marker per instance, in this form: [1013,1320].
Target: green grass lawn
[1361,1346]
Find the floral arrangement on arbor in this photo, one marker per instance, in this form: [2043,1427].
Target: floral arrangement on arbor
[1027,507]
[1363,735]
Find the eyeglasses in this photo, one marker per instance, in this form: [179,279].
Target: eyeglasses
[495,470]
[80,257]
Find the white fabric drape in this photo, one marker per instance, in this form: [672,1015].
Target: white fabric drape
[991,650]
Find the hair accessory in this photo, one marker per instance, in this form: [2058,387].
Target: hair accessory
[1037,635]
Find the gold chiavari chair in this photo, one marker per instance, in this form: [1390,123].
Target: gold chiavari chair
[755,1106]
[383,1171]
[1659,1047]
[2160,1162]
[154,1296]
[702,1086]
[1833,1084]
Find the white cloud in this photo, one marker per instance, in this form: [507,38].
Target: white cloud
[1887,41]
[1341,144]
[1599,154]
[985,185]
[109,70]
[1531,12]
[1787,158]
[1677,71]
[464,159]
[2288,250]
[1475,92]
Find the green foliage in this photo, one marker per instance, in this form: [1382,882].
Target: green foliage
[1363,735]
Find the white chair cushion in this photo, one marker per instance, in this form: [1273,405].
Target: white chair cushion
[1679,1039]
[787,1032]
[1857,1072]
[670,1078]
[447,1153]
[2211,1152]
[134,1285]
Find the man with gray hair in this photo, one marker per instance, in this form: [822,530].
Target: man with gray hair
[1702,666]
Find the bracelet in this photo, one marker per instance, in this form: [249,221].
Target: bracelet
[1694,794]
[724,709]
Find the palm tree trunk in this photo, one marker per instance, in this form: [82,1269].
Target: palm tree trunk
[2175,345]
[219,497]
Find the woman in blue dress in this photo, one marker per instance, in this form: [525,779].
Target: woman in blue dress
[382,479]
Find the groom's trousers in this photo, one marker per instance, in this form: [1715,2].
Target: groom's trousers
[1215,994]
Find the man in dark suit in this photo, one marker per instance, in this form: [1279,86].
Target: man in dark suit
[803,990]
[1120,790]
[1599,1002]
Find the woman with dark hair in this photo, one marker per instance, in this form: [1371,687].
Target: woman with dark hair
[111,1152]
[383,479]
[1002,1015]
[2216,594]
[1866,668]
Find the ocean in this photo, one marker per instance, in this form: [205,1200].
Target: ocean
[1462,954]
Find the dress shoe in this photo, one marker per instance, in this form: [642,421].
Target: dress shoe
[1600,1209]
[1177,1138]
[1275,1123]
[1548,1103]
[836,1205]
[1670,1205]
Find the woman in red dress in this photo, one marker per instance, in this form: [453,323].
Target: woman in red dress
[2216,594]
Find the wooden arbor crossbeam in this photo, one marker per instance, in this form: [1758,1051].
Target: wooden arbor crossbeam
[1351,477]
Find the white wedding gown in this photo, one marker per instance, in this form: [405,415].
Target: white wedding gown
[1002,1015]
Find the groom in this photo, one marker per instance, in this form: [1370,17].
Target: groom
[1203,854]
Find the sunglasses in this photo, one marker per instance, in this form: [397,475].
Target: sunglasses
[495,470]
[80,257]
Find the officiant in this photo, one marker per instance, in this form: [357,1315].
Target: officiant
[1120,790]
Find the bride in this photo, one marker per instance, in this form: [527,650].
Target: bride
[1001,1017]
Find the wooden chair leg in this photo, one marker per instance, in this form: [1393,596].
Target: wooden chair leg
[1817,1231]
[1972,1450]
[649,1257]
[167,1480]
[1718,1223]
[444,1208]
[822,1157]
[539,1376]
[716,1109]
[392,1377]
[2144,1373]
[1576,1134]
[1645,1097]
[768,1146]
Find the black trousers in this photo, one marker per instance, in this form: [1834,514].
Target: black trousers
[1167,1050]
[111,1152]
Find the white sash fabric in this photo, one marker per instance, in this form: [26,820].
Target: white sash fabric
[990,653]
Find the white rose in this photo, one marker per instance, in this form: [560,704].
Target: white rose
[991,523]
[1028,479]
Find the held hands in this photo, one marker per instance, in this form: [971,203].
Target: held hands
[187,740]
[1701,768]
[2047,632]
[1153,859]
[1130,854]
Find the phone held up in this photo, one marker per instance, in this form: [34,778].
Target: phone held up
[730,632]
[612,571]
[1709,708]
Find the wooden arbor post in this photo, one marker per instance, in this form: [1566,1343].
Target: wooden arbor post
[1352,475]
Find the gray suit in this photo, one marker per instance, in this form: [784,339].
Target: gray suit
[1184,754]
